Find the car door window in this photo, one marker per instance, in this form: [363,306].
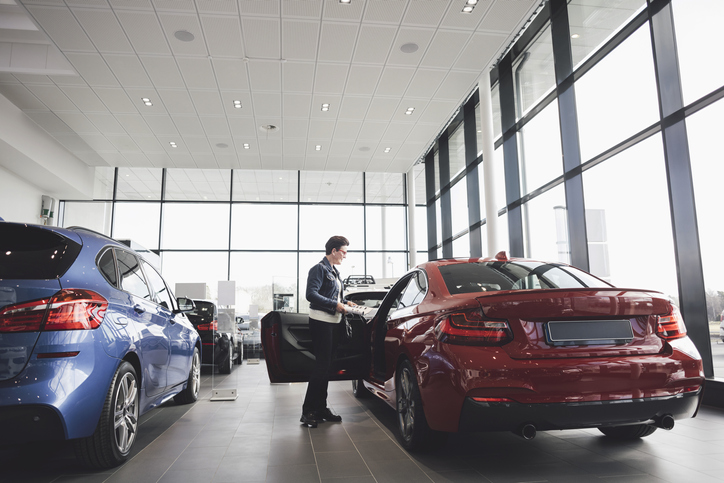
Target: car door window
[414,292]
[159,292]
[107,267]
[132,280]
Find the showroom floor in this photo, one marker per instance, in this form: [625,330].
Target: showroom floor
[257,437]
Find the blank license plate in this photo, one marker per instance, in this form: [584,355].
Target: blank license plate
[586,332]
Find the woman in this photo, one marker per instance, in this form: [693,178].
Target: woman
[326,307]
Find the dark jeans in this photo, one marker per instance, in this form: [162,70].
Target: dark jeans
[324,337]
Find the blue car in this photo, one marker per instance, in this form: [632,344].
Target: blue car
[91,337]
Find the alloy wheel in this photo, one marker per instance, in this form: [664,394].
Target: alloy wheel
[125,415]
[406,406]
[196,374]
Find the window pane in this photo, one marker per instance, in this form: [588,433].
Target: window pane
[706,145]
[420,186]
[318,223]
[260,226]
[195,225]
[386,265]
[534,73]
[499,161]
[539,152]
[593,22]
[159,292]
[459,206]
[385,187]
[132,280]
[258,275]
[461,247]
[614,107]
[196,267]
[354,264]
[436,164]
[544,226]
[421,228]
[385,228]
[139,184]
[265,185]
[503,237]
[331,186]
[95,216]
[198,184]
[139,222]
[103,183]
[698,34]
[456,151]
[481,188]
[438,222]
[636,212]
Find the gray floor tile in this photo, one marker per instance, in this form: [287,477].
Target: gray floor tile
[341,464]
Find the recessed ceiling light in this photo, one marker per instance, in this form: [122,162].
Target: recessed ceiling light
[325,107]
[467,9]
[184,35]
[317,147]
[409,111]
[268,127]
[409,48]
[246,145]
[345,2]
[147,101]
[173,144]
[575,36]
[387,150]
[237,104]
[471,2]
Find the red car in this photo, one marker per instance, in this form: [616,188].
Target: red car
[500,344]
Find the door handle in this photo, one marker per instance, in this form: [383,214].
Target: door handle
[138,309]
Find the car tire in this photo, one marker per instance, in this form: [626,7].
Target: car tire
[228,363]
[412,429]
[193,384]
[628,432]
[117,427]
[359,390]
[239,352]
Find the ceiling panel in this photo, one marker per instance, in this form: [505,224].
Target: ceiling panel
[223,36]
[331,78]
[261,38]
[52,97]
[177,101]
[183,23]
[103,29]
[299,40]
[427,14]
[106,123]
[21,96]
[144,31]
[78,122]
[265,75]
[385,12]
[337,42]
[297,77]
[62,28]
[86,99]
[362,80]
[374,43]
[196,72]
[354,107]
[230,74]
[438,55]
[297,105]
[128,70]
[395,81]
[93,69]
[407,35]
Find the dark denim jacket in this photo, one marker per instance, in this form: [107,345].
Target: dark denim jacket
[321,287]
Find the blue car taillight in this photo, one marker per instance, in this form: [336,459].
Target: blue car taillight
[472,328]
[69,309]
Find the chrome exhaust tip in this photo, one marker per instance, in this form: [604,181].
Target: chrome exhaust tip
[665,422]
[527,431]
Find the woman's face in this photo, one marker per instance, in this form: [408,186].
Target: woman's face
[338,255]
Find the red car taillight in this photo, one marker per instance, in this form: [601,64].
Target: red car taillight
[70,309]
[671,326]
[213,325]
[472,328]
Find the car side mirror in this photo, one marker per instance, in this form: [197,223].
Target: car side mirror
[185,305]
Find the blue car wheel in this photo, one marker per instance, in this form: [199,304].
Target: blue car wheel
[191,393]
[115,434]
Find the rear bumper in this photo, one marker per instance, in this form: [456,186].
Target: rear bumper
[32,422]
[511,416]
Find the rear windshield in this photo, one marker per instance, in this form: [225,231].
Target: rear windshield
[203,313]
[493,276]
[29,252]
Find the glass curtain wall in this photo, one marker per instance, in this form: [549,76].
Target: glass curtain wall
[607,152]
[261,229]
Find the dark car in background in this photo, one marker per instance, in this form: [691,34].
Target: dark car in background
[91,338]
[507,344]
[221,343]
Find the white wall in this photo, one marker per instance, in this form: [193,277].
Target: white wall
[19,200]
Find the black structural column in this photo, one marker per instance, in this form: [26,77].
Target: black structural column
[443,158]
[510,157]
[575,206]
[430,195]
[692,298]
[471,175]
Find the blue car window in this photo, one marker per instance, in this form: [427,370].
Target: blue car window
[160,293]
[132,280]
[107,267]
[34,253]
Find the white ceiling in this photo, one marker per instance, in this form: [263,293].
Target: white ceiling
[82,76]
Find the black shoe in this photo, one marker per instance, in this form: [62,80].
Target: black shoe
[328,415]
[311,419]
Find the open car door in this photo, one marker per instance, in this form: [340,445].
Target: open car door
[288,350]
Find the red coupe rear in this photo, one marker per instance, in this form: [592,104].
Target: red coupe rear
[511,344]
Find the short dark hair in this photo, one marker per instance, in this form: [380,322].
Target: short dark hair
[337,242]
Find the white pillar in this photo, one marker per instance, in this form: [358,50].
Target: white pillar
[488,148]
[411,217]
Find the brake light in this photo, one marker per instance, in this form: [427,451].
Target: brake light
[213,325]
[471,328]
[69,309]
[671,326]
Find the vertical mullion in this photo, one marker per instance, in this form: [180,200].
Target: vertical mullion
[430,201]
[443,157]
[471,177]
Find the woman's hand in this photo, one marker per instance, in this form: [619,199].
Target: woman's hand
[351,304]
[341,308]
